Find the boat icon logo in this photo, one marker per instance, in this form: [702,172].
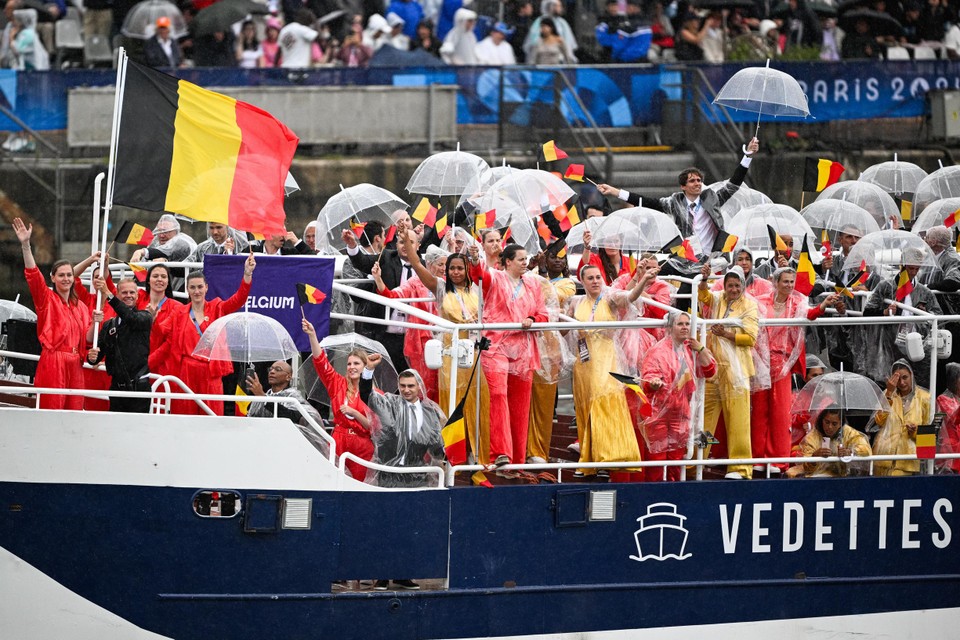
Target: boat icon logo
[661,534]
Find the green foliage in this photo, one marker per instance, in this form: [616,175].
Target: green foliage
[801,54]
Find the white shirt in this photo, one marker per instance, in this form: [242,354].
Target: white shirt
[702,225]
[296,41]
[495,54]
[167,46]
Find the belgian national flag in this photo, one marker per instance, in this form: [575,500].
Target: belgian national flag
[200,154]
[133,233]
[806,275]
[818,174]
[681,248]
[552,152]
[630,383]
[725,242]
[454,435]
[926,441]
[242,407]
[904,285]
[309,294]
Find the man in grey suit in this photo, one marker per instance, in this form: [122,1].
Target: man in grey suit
[695,211]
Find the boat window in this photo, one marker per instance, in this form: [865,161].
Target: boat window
[214,503]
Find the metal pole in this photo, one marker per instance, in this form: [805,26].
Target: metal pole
[430,118]
[95,235]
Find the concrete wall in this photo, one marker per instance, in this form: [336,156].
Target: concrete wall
[319,115]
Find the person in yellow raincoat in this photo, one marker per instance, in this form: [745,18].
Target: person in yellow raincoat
[829,438]
[909,407]
[557,289]
[458,301]
[729,390]
[603,419]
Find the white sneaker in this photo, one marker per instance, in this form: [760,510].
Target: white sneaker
[775,471]
[536,460]
[574,447]
[734,475]
[759,468]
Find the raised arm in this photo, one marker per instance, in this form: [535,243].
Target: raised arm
[237,300]
[428,279]
[24,233]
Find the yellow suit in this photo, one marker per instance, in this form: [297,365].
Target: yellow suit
[603,418]
[543,396]
[461,307]
[893,437]
[813,442]
[729,390]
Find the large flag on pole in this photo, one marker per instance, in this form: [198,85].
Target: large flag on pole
[200,154]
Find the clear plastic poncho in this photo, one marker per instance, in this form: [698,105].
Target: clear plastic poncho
[556,359]
[400,442]
[785,344]
[515,352]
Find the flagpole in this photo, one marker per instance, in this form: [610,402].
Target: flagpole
[111,171]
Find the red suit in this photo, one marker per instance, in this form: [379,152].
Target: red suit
[667,430]
[415,339]
[512,358]
[949,404]
[349,434]
[61,329]
[181,332]
[94,379]
[770,420]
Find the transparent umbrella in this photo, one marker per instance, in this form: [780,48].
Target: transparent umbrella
[141,21]
[575,235]
[557,191]
[849,391]
[245,337]
[741,199]
[875,200]
[478,186]
[890,247]
[935,213]
[942,183]
[750,226]
[220,15]
[764,91]
[447,173]
[635,229]
[365,201]
[10,310]
[836,216]
[894,177]
[337,348]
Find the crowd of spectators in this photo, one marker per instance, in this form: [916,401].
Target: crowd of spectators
[317,33]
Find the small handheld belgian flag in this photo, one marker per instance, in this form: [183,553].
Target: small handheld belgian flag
[725,242]
[552,152]
[133,233]
[927,441]
[819,173]
[646,410]
[904,285]
[309,294]
[574,172]
[806,275]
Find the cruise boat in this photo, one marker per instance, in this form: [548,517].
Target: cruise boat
[164,526]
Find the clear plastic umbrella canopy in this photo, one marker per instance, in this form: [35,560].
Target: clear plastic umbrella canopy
[141,21]
[575,235]
[10,310]
[849,391]
[741,199]
[447,173]
[365,201]
[764,91]
[479,185]
[557,191]
[942,183]
[894,177]
[528,191]
[635,229]
[875,200]
[836,216]
[337,348]
[750,226]
[245,337]
[890,248]
[934,214]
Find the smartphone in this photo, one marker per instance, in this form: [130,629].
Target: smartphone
[248,373]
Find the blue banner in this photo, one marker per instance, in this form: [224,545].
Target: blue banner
[274,289]
[615,96]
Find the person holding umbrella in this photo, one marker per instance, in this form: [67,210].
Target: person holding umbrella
[829,438]
[182,329]
[694,210]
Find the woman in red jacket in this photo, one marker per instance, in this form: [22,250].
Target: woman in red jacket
[351,417]
[182,329]
[62,323]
